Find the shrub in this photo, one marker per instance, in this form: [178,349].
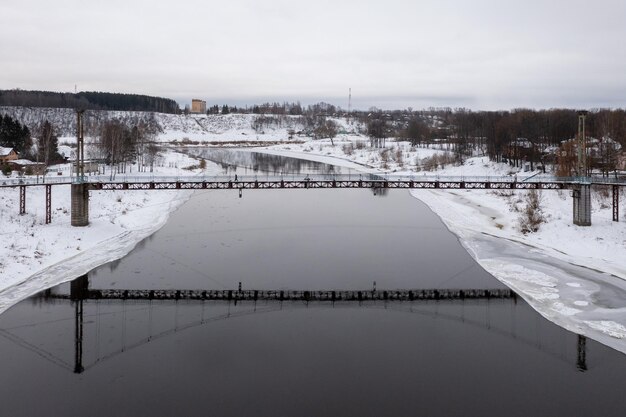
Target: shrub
[6,170]
[532,216]
[384,157]
[399,157]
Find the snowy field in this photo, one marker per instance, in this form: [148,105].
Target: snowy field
[574,276]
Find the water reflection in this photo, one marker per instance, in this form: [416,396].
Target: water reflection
[244,162]
[378,357]
[131,322]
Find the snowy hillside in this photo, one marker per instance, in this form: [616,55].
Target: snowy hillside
[170,127]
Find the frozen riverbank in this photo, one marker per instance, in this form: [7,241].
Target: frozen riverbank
[574,276]
[34,255]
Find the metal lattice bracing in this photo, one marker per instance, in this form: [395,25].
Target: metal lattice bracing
[324,184]
[615,203]
[48,204]
[80,147]
[582,144]
[22,199]
[294,295]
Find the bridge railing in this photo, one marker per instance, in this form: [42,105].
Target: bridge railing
[354,177]
[14,181]
[120,179]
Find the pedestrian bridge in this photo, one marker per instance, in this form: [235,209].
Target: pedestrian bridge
[81,186]
[142,182]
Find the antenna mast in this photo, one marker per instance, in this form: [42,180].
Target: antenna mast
[349,102]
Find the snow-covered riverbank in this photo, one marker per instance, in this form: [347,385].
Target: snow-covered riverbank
[574,276]
[34,255]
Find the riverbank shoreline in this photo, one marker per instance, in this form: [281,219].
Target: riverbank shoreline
[35,256]
[484,219]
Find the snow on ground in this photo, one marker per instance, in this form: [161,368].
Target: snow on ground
[212,128]
[574,276]
[236,128]
[34,255]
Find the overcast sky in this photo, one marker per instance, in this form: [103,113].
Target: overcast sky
[481,54]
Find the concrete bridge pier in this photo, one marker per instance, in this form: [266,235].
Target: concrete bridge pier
[80,205]
[582,204]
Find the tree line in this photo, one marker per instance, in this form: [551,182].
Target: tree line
[88,100]
[512,135]
[280,109]
[121,146]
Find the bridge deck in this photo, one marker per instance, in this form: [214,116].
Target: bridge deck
[296,295]
[316,181]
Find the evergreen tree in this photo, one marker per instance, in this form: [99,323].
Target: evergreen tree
[14,135]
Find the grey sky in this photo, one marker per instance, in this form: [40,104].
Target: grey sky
[482,54]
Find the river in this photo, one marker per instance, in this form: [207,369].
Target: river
[64,354]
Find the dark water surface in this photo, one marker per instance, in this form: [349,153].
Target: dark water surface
[474,357]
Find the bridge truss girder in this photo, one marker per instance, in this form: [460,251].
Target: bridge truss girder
[295,295]
[325,184]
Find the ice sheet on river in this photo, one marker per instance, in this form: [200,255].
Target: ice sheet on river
[580,299]
[577,298]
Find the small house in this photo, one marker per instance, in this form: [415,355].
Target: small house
[7,154]
[27,167]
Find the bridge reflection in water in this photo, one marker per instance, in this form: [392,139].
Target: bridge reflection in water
[141,319]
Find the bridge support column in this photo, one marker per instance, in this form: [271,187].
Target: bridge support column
[582,204]
[22,200]
[80,205]
[48,204]
[615,203]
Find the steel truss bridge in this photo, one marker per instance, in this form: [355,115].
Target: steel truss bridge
[287,295]
[369,181]
[127,182]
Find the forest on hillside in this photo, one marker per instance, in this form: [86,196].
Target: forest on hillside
[88,100]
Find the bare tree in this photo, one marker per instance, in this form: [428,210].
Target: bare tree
[377,131]
[112,136]
[151,155]
[325,129]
